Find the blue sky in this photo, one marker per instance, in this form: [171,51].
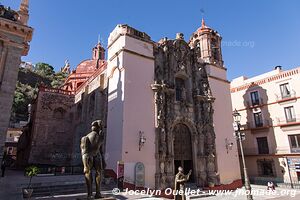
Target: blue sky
[257,35]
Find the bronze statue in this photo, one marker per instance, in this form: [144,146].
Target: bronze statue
[180,180]
[92,157]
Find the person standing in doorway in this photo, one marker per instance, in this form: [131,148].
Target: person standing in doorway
[3,165]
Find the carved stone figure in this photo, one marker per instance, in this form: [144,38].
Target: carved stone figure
[180,180]
[92,157]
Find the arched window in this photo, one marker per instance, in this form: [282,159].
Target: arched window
[197,46]
[215,49]
[58,113]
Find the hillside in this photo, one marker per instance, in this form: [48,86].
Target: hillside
[27,87]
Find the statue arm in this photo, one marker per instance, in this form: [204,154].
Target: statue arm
[84,145]
[180,180]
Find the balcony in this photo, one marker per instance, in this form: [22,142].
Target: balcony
[282,122]
[283,98]
[263,124]
[257,103]
[287,150]
[257,152]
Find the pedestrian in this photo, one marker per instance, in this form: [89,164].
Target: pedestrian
[3,165]
[271,186]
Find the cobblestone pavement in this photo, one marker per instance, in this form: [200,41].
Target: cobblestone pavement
[11,184]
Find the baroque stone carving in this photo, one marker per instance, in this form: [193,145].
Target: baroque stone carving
[175,59]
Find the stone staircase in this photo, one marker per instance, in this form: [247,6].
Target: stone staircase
[64,189]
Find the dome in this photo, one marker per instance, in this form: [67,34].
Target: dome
[87,66]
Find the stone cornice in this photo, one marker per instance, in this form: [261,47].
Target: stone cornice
[17,29]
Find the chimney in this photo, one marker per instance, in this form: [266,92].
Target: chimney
[278,67]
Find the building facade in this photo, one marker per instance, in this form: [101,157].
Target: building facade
[164,104]
[15,35]
[269,105]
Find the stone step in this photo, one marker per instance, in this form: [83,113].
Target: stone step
[42,191]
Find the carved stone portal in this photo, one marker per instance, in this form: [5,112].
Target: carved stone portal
[184,115]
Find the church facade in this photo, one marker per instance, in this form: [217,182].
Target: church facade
[164,104]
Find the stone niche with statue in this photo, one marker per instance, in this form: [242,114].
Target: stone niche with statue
[184,115]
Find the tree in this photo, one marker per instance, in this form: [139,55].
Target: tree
[24,95]
[59,79]
[27,87]
[45,70]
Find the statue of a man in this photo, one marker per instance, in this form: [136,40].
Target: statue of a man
[92,157]
[180,180]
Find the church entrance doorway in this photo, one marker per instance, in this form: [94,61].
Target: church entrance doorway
[183,155]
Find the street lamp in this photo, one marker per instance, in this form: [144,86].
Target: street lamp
[142,140]
[240,137]
[29,112]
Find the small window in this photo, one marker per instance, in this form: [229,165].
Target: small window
[180,89]
[258,119]
[215,49]
[295,143]
[290,114]
[285,90]
[254,98]
[262,143]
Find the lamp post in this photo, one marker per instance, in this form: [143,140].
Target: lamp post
[29,112]
[142,140]
[240,137]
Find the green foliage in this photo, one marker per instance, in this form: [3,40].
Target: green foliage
[44,70]
[24,95]
[27,87]
[59,79]
[31,171]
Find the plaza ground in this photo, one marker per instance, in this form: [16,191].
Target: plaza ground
[11,184]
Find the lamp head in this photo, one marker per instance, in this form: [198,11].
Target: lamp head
[236,115]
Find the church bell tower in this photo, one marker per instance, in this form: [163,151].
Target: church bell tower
[98,52]
[207,43]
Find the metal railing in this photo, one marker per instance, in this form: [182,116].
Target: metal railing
[256,151]
[261,124]
[60,171]
[286,121]
[253,103]
[281,97]
[287,150]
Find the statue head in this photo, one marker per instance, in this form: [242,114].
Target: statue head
[180,169]
[96,125]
